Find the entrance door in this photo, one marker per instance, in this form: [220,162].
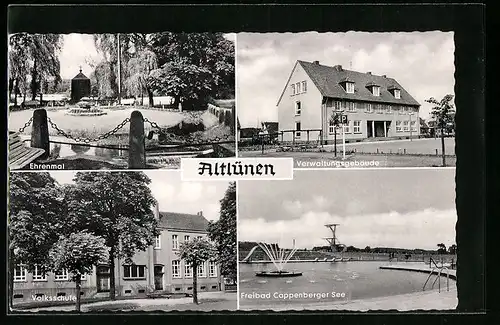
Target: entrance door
[369,130]
[158,274]
[102,277]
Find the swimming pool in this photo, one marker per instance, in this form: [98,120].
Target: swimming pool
[327,282]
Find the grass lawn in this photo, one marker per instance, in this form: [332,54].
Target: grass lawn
[383,160]
[417,146]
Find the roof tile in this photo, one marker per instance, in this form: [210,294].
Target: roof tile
[327,80]
[183,221]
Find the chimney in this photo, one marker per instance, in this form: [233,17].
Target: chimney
[369,72]
[199,213]
[384,76]
[338,67]
[315,62]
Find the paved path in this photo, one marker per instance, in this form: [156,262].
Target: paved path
[207,300]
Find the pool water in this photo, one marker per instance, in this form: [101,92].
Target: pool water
[334,282]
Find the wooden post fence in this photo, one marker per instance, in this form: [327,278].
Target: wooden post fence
[137,142]
[40,132]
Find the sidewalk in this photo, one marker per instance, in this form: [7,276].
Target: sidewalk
[207,301]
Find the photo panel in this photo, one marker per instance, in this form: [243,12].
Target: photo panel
[100,241]
[353,99]
[354,240]
[119,101]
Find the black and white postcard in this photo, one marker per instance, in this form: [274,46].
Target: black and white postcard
[114,101]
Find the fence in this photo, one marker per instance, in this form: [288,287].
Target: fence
[276,140]
[137,139]
[225,115]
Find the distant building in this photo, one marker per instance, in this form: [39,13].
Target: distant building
[80,87]
[159,269]
[376,106]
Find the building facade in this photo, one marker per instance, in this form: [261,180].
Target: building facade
[376,106]
[159,269]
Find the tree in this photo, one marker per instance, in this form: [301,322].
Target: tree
[452,249]
[37,55]
[77,254]
[367,249]
[223,233]
[194,66]
[116,206]
[443,114]
[441,248]
[35,221]
[194,253]
[139,80]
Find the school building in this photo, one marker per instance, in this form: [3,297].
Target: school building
[158,270]
[376,106]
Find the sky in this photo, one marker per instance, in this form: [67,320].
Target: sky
[422,62]
[78,49]
[376,208]
[174,195]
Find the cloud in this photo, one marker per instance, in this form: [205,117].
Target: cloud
[418,229]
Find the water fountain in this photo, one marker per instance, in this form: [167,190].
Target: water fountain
[279,257]
[84,108]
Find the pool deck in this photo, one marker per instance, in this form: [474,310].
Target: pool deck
[423,268]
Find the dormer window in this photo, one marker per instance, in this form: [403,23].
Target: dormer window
[374,88]
[395,91]
[349,87]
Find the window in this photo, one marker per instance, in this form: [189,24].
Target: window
[202,270]
[293,89]
[357,126]
[405,126]
[297,108]
[413,126]
[176,269]
[19,273]
[304,86]
[389,109]
[347,127]
[351,106]
[397,94]
[212,269]
[398,126]
[38,275]
[405,109]
[297,87]
[297,129]
[380,108]
[369,108]
[61,275]
[175,242]
[188,270]
[157,242]
[338,105]
[376,90]
[134,271]
[199,237]
[331,127]
[186,238]
[83,277]
[349,87]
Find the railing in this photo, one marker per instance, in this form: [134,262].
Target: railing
[439,270]
[137,145]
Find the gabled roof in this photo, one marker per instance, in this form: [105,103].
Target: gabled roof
[80,76]
[327,80]
[183,221]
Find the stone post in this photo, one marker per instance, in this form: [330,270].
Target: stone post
[40,132]
[137,142]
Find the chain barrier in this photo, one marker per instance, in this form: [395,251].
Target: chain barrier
[21,130]
[189,139]
[87,140]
